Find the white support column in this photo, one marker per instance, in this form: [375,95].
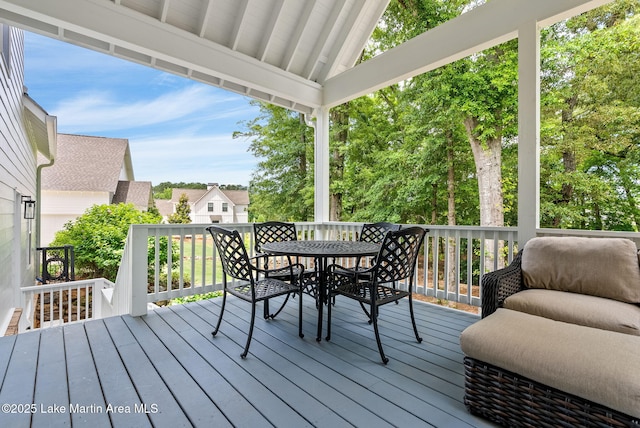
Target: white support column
[528,131]
[321,182]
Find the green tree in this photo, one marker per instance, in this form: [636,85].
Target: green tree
[183,211]
[591,120]
[99,235]
[164,189]
[281,187]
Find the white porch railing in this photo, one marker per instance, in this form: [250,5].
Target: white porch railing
[66,302]
[451,267]
[194,268]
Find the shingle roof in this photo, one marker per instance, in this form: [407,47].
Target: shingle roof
[192,194]
[238,197]
[137,193]
[85,163]
[164,206]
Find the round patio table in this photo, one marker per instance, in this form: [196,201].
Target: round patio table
[321,251]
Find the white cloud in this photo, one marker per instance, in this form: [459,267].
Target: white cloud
[94,111]
[178,129]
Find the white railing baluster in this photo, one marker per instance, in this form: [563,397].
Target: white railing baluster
[68,302]
[442,274]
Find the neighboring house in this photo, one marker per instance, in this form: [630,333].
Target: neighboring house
[165,208]
[214,205]
[88,171]
[138,193]
[27,144]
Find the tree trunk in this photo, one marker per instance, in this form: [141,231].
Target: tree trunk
[434,203]
[568,158]
[488,159]
[302,160]
[340,121]
[451,213]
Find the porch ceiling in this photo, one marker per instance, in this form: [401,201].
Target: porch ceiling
[293,53]
[280,51]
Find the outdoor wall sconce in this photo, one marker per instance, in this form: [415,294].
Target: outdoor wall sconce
[29,207]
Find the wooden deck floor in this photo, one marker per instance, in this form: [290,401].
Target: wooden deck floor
[166,370]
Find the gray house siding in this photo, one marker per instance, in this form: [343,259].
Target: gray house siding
[17,178]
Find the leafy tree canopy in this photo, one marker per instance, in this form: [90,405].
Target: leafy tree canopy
[164,189]
[99,235]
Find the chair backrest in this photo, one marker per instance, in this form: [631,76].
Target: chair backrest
[375,232]
[273,231]
[398,254]
[233,254]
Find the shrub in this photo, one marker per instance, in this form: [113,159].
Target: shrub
[99,235]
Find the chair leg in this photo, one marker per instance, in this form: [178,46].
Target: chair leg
[413,320]
[272,316]
[364,308]
[394,287]
[300,315]
[224,301]
[265,311]
[253,320]
[374,318]
[328,337]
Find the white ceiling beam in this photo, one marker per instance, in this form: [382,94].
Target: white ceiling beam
[164,10]
[276,14]
[322,39]
[341,41]
[106,22]
[296,37]
[493,23]
[205,15]
[234,38]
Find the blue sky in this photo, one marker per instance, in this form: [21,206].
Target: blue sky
[178,129]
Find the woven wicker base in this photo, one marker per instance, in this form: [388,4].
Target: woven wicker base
[512,400]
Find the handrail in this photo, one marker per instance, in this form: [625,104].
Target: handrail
[65,302]
[450,267]
[193,268]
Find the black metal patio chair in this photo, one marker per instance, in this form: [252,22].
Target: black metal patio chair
[395,261]
[253,283]
[374,233]
[277,231]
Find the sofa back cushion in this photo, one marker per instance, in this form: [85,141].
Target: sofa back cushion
[603,267]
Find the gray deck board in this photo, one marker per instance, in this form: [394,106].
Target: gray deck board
[168,361]
[51,387]
[145,378]
[118,389]
[19,380]
[85,393]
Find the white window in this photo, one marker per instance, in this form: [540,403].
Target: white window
[225,207]
[210,207]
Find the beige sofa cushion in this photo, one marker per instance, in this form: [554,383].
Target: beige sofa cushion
[604,267]
[598,365]
[581,309]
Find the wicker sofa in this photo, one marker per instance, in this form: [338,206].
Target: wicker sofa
[559,342]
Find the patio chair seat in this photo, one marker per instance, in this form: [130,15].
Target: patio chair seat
[362,293]
[264,289]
